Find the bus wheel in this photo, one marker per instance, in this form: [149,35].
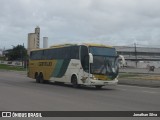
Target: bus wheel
[98,86]
[41,78]
[37,78]
[74,81]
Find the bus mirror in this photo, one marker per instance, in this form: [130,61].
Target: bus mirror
[90,58]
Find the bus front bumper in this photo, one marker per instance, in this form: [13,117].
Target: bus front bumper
[92,82]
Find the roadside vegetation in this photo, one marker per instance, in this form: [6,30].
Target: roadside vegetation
[9,67]
[139,76]
[126,75]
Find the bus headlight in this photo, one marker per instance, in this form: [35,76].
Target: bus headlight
[94,78]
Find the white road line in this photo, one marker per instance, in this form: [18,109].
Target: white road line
[123,89]
[140,87]
[152,92]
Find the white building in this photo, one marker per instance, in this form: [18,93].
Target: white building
[140,57]
[34,40]
[45,42]
[1,52]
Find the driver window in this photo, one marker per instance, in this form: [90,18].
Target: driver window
[84,58]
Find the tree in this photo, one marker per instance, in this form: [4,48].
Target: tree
[18,53]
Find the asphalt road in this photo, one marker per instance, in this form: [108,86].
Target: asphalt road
[19,93]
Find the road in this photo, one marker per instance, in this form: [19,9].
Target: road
[19,93]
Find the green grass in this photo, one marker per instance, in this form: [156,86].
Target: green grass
[126,75]
[135,76]
[9,67]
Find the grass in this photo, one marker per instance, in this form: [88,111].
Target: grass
[136,76]
[9,67]
[125,75]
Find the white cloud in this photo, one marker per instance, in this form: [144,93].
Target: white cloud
[115,22]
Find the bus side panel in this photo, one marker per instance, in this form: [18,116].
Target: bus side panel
[65,69]
[45,67]
[60,68]
[31,69]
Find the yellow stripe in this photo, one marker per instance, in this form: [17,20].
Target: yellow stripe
[101,77]
[97,45]
[40,66]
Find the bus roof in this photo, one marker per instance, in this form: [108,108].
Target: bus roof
[96,45]
[86,44]
[62,45]
[67,45]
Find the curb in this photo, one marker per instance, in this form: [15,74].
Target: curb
[146,83]
[21,72]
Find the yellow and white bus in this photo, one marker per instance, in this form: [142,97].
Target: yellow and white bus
[86,64]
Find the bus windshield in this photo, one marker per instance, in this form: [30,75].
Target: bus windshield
[105,61]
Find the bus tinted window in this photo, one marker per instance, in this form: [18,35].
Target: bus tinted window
[75,52]
[56,53]
[103,51]
[84,58]
[36,55]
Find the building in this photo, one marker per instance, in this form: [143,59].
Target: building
[45,42]
[34,40]
[140,57]
[1,52]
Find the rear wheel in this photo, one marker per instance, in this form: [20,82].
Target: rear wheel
[37,78]
[41,79]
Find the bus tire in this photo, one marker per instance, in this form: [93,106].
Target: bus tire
[74,81]
[37,78]
[98,86]
[41,79]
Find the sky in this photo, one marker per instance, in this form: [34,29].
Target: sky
[110,22]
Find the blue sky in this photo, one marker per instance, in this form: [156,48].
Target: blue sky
[113,22]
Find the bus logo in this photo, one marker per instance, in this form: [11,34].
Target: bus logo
[45,63]
[6,114]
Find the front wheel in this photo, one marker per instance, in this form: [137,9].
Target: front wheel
[74,82]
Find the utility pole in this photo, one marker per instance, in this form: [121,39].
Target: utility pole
[22,57]
[3,51]
[135,47]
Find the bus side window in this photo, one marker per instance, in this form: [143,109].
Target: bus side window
[86,63]
[74,52]
[84,58]
[31,55]
[36,55]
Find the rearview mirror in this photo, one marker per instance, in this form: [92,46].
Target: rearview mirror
[90,58]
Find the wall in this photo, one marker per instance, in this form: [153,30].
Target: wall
[143,64]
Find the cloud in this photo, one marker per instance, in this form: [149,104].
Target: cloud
[115,22]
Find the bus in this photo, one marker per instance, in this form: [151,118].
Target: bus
[85,64]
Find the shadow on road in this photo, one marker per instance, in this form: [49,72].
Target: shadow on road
[82,87]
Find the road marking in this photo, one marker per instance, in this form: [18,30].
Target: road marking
[123,89]
[139,87]
[152,92]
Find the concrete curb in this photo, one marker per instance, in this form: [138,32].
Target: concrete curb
[147,83]
[20,72]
